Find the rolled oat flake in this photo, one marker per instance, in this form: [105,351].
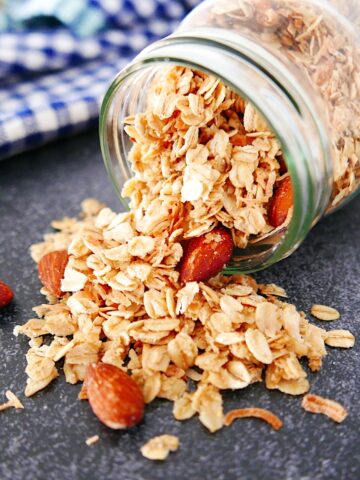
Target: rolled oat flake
[248,116]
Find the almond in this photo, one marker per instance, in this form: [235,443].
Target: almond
[280,203]
[51,270]
[240,140]
[114,396]
[6,294]
[206,256]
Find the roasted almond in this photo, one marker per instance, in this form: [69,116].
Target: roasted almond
[280,203]
[114,396]
[51,270]
[240,140]
[206,256]
[6,294]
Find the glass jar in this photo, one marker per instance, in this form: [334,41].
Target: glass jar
[298,63]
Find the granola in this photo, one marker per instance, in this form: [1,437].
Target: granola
[201,156]
[133,313]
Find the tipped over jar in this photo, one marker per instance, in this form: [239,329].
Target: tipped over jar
[248,116]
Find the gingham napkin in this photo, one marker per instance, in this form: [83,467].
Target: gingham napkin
[57,57]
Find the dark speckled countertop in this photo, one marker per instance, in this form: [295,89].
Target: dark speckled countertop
[47,439]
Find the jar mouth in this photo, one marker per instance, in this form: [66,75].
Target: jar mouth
[249,73]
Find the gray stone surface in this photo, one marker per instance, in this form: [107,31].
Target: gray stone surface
[47,439]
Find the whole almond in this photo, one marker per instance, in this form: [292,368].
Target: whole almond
[114,396]
[51,270]
[6,294]
[206,256]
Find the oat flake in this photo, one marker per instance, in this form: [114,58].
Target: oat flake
[158,448]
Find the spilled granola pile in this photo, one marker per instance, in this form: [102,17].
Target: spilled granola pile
[123,304]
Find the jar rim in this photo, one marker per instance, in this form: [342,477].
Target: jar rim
[298,151]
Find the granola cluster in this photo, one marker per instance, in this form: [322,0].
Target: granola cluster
[201,156]
[124,306]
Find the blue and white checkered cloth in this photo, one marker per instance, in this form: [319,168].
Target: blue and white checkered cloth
[57,58]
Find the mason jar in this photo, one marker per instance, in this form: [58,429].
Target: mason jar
[298,63]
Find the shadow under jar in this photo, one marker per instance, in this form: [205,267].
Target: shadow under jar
[296,65]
